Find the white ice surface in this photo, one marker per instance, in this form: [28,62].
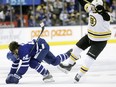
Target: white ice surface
[101,74]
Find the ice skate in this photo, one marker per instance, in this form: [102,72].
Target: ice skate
[69,52]
[65,68]
[77,78]
[48,78]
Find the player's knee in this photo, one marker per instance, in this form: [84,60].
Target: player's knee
[56,62]
[33,63]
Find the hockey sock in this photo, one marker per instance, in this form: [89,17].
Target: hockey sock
[63,57]
[40,69]
[86,65]
[75,55]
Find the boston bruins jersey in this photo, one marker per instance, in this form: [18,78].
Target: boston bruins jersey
[98,28]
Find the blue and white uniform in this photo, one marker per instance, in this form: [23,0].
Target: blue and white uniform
[33,58]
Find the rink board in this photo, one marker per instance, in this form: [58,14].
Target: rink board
[64,35]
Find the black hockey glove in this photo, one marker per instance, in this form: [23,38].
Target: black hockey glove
[100,9]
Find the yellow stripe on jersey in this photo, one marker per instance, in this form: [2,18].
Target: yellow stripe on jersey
[95,34]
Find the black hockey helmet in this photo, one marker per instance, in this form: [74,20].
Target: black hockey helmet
[13,46]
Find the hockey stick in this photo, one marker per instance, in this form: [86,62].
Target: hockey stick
[42,27]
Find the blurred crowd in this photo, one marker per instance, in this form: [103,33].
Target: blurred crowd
[51,12]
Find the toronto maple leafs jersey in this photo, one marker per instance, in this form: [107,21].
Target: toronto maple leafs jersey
[25,53]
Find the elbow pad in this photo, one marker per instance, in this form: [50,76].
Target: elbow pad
[11,56]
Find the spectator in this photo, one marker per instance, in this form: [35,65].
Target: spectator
[72,20]
[70,7]
[47,21]
[64,16]
[113,12]
[2,17]
[55,20]
[2,14]
[57,5]
[31,21]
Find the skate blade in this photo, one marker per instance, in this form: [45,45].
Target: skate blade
[75,82]
[63,70]
[49,80]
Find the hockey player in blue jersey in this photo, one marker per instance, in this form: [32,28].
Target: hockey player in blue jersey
[32,58]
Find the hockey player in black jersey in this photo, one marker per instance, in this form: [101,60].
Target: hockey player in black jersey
[32,58]
[96,38]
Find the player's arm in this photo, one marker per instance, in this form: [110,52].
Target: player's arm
[15,60]
[42,49]
[24,66]
[14,78]
[14,67]
[83,2]
[86,4]
[11,75]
